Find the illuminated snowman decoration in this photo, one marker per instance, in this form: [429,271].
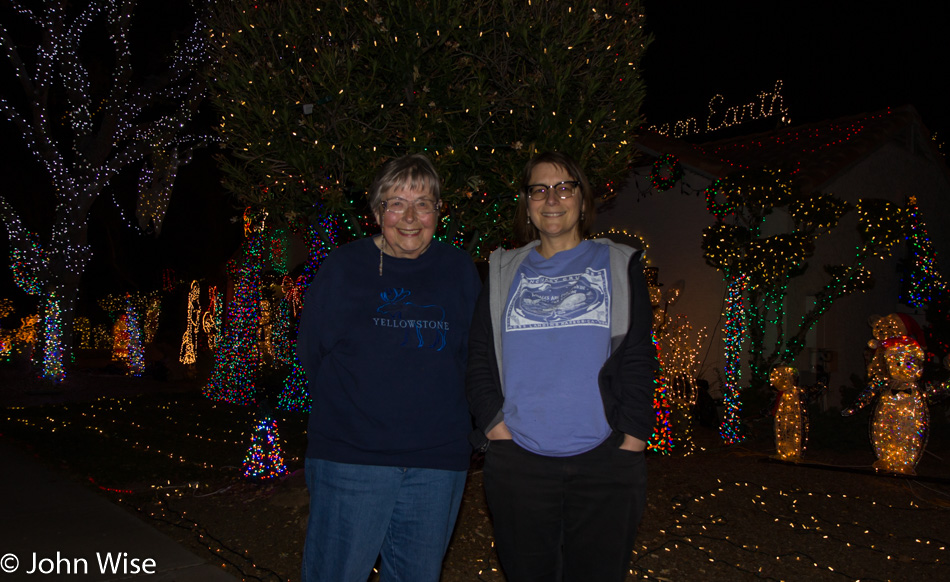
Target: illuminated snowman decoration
[791,418]
[899,422]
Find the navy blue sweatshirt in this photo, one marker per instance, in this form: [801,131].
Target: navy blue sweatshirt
[385,357]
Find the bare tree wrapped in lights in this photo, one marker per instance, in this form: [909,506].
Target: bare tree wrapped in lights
[87,116]
[764,265]
[317,94]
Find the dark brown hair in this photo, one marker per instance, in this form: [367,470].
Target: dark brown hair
[526,232]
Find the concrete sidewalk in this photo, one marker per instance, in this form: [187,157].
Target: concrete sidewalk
[60,530]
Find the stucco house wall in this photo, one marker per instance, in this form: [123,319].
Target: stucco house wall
[671,222]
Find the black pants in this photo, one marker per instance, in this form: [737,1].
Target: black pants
[565,519]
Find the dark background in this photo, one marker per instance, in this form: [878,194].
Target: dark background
[835,58]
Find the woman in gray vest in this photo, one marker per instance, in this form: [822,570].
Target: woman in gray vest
[560,381]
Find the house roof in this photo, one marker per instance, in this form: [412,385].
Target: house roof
[816,153]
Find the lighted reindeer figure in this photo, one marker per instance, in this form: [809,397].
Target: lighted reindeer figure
[677,349]
[425,323]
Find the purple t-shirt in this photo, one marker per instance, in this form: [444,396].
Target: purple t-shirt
[555,339]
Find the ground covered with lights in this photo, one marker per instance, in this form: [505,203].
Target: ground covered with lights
[726,513]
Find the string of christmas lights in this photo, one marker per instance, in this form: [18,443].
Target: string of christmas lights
[705,523]
[295,396]
[120,339]
[53,338]
[135,349]
[85,120]
[212,322]
[924,281]
[153,313]
[189,340]
[807,527]
[237,358]
[791,415]
[667,171]
[265,459]
[730,428]
[278,99]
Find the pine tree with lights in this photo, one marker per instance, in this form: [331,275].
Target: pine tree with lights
[758,269]
[923,282]
[88,110]
[296,395]
[264,459]
[136,348]
[238,358]
[315,95]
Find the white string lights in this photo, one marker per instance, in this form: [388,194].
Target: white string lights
[87,124]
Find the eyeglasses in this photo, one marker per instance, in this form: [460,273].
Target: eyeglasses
[563,190]
[401,205]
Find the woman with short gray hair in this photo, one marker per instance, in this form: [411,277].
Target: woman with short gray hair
[383,340]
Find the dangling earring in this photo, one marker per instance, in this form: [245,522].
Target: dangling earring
[529,221]
[381,243]
[582,216]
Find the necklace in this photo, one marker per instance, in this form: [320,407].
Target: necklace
[382,244]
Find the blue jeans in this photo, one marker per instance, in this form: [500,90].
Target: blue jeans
[358,512]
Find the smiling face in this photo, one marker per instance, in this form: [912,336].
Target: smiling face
[905,361]
[557,220]
[409,234]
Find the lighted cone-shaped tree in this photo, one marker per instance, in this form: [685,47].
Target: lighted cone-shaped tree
[924,282]
[265,459]
[237,359]
[136,349]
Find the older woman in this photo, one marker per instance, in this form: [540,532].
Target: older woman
[383,340]
[560,382]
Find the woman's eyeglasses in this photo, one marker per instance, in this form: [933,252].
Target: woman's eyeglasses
[563,190]
[401,205]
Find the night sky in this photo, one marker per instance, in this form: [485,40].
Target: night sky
[835,58]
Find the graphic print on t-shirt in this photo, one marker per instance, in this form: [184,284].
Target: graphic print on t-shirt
[424,325]
[567,301]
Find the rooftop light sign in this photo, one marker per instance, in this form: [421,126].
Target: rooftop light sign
[766,104]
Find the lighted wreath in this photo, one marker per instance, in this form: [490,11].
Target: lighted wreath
[666,172]
[719,209]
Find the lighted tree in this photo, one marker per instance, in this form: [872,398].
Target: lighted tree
[923,282]
[264,459]
[136,349]
[316,94]
[238,357]
[759,267]
[88,109]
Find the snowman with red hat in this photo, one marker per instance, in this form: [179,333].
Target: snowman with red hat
[901,416]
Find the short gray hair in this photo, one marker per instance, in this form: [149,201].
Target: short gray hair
[412,171]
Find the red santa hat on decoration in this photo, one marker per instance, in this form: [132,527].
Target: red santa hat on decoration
[913,330]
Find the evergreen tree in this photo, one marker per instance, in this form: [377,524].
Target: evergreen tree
[316,94]
[265,458]
[923,283]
